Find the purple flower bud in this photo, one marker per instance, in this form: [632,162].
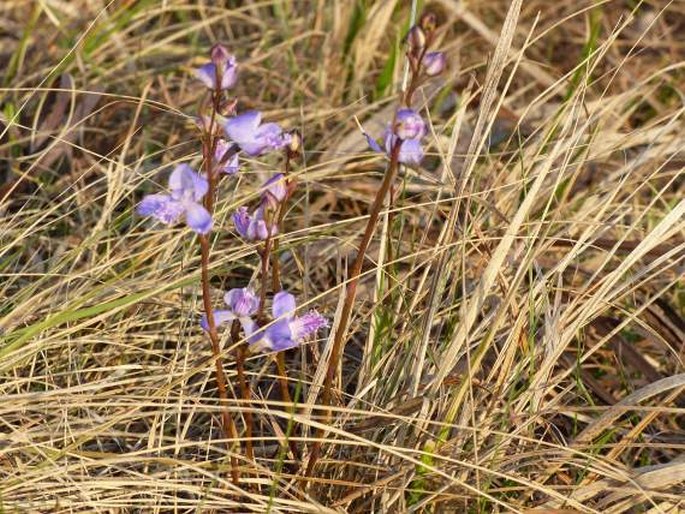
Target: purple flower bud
[253,137]
[428,21]
[219,54]
[409,125]
[221,73]
[434,63]
[187,189]
[228,165]
[416,39]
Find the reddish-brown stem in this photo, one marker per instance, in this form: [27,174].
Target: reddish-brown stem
[229,429]
[241,352]
[263,275]
[355,271]
[227,421]
[285,394]
[351,294]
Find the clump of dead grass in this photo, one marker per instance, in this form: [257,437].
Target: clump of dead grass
[518,342]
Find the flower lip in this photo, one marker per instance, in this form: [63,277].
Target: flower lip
[243,302]
[253,227]
[288,330]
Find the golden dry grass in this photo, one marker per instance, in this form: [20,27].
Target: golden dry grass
[519,338]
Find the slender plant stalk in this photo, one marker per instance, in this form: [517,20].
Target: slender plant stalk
[355,271]
[241,354]
[285,394]
[228,424]
[229,428]
[351,295]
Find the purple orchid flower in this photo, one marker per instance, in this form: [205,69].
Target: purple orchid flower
[275,190]
[242,305]
[409,129]
[253,227]
[411,151]
[221,72]
[230,165]
[187,189]
[434,63]
[253,136]
[288,330]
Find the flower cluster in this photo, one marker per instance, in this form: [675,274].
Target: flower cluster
[244,132]
[285,332]
[223,140]
[404,134]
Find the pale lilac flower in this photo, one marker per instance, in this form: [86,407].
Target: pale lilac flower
[275,190]
[288,330]
[221,72]
[434,63]
[187,189]
[253,227]
[227,165]
[242,305]
[409,128]
[409,124]
[253,136]
[411,151]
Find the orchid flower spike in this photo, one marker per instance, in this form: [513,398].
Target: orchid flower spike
[288,330]
[186,191]
[253,136]
[253,227]
[221,72]
[242,305]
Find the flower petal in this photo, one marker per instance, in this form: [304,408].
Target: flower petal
[284,305]
[162,207]
[409,124]
[243,301]
[411,152]
[198,218]
[207,74]
[275,189]
[373,143]
[241,220]
[184,182]
[220,317]
[242,128]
